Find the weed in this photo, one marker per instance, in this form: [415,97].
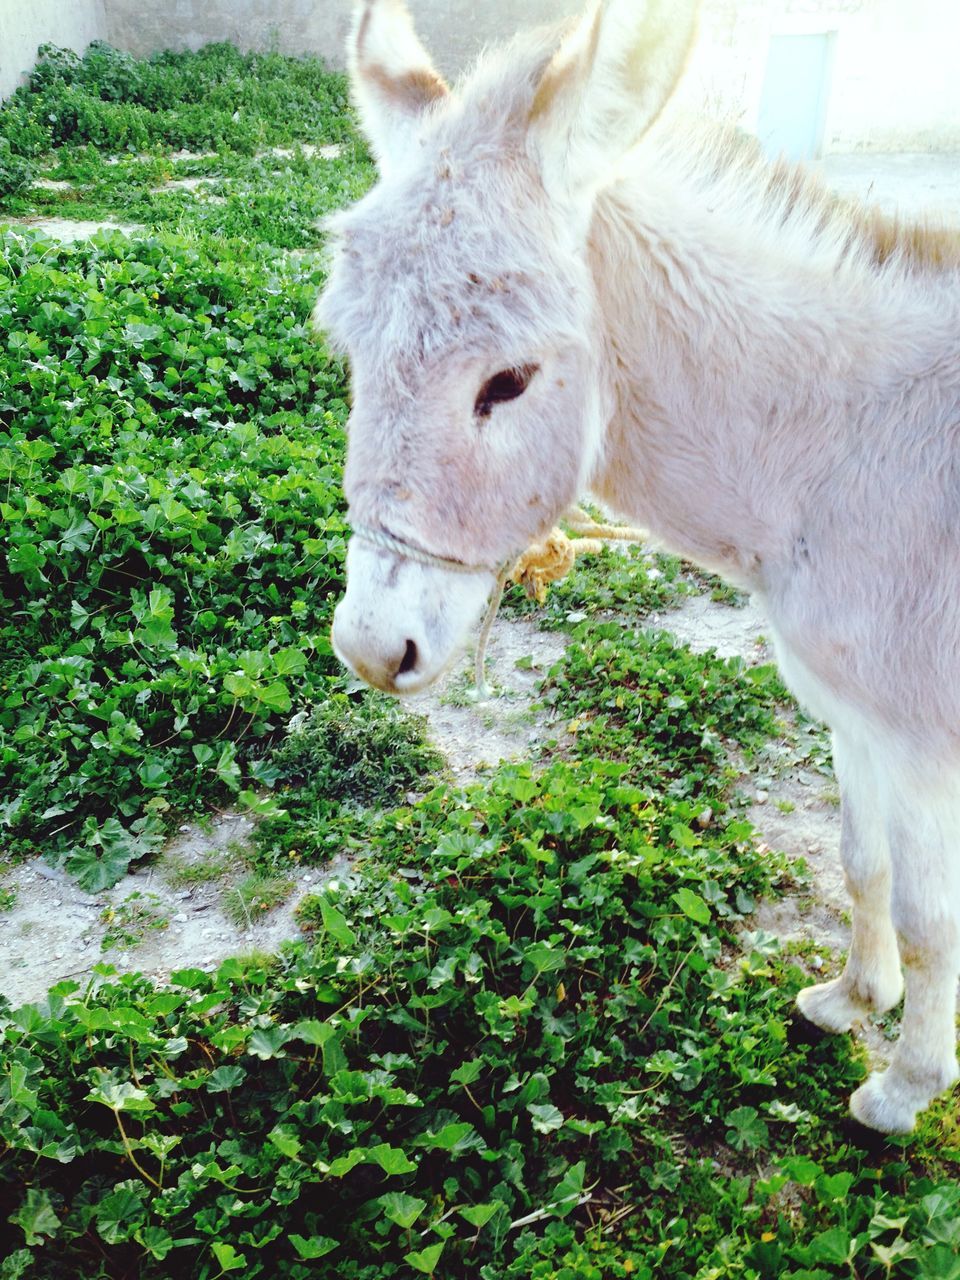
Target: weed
[207,869]
[254,897]
[130,921]
[616,578]
[350,754]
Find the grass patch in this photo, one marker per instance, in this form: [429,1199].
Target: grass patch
[210,867]
[255,897]
[353,755]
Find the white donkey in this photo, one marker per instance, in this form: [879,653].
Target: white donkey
[544,296]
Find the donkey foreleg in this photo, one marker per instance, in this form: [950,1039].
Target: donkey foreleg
[924,840]
[871,980]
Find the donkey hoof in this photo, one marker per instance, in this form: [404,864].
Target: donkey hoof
[878,1104]
[829,1006]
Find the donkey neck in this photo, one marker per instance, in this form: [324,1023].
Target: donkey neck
[739,355]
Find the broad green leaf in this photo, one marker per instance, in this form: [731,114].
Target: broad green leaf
[36,1217]
[692,905]
[314,1247]
[425,1261]
[545,1117]
[290,662]
[276,697]
[801,1169]
[469,1072]
[747,1131]
[285,1141]
[833,1245]
[228,1257]
[122,1096]
[119,1214]
[478,1215]
[937,1262]
[311,1031]
[390,1159]
[336,925]
[402,1209]
[447,1138]
[566,1194]
[268,1042]
[222,1079]
[156,1241]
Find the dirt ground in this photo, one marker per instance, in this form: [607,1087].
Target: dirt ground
[55,931]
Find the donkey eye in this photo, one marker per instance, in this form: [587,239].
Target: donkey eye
[509,384]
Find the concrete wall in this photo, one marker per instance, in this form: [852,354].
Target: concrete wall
[455,30]
[894,86]
[25,24]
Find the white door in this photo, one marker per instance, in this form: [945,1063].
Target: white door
[796,89]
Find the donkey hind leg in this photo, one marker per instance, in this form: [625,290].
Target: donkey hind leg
[871,980]
[924,835]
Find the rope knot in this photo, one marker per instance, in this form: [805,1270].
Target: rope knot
[544,562]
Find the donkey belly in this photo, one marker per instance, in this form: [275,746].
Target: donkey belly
[875,663]
[820,688]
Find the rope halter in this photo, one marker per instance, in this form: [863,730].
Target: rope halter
[408,551]
[544,562]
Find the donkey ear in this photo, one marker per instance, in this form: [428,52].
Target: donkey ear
[606,85]
[394,81]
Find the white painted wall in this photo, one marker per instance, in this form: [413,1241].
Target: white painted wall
[25,24]
[897,78]
[895,82]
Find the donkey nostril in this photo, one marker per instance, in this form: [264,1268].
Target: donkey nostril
[409,660]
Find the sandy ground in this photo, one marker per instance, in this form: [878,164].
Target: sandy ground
[914,185]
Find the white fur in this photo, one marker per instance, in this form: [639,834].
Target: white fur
[728,360]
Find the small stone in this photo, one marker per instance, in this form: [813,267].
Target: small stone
[180,917]
[762,797]
[185,828]
[57,902]
[816,962]
[704,818]
[187,893]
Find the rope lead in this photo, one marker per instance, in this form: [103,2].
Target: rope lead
[542,563]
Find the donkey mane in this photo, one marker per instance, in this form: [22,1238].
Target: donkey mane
[729,168]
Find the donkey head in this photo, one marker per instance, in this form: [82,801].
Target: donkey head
[460,290]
